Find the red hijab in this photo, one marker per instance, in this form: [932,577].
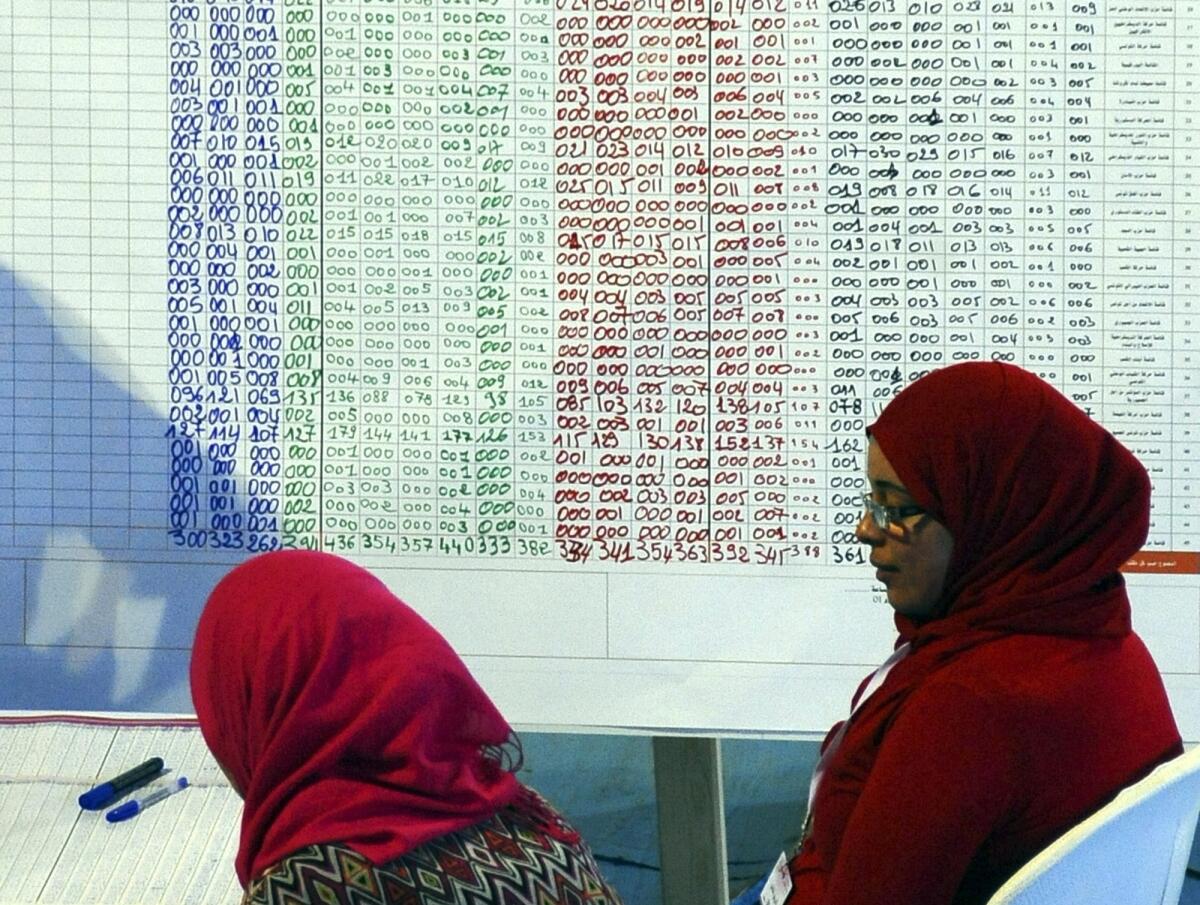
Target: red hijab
[1044,505]
[340,714]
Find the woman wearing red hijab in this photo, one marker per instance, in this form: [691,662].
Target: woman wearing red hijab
[1018,700]
[373,767]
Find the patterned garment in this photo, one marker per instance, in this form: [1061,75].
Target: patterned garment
[505,860]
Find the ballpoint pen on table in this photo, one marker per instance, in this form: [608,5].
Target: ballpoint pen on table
[137,805]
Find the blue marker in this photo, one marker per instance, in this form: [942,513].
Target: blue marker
[132,808]
[95,799]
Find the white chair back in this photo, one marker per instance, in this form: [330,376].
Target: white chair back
[1133,851]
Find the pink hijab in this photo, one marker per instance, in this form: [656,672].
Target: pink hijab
[341,715]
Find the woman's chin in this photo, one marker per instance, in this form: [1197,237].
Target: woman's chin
[904,605]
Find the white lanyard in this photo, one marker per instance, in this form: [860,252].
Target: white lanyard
[877,679]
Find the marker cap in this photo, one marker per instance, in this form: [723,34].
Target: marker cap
[95,799]
[123,811]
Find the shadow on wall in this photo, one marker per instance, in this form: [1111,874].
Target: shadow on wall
[605,785]
[97,611]
[766,793]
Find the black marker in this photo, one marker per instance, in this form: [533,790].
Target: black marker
[97,798]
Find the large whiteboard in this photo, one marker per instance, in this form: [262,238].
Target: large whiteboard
[566,317]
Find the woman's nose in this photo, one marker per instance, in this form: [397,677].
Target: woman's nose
[866,531]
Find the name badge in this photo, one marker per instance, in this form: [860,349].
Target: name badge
[779,883]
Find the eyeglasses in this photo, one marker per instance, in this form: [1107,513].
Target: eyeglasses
[888,517]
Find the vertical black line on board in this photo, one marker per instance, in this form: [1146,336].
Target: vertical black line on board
[24,564]
[129,260]
[474,395]
[1103,165]
[708,267]
[607,614]
[320,384]
[1175,225]
[166,277]
[516,305]
[9,287]
[91,434]
[10,284]
[51,307]
[1059,298]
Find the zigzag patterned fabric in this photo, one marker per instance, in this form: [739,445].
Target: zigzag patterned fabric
[505,860]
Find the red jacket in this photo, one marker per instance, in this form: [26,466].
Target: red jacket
[986,761]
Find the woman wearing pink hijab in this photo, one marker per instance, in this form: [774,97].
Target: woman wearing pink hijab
[1018,700]
[372,766]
